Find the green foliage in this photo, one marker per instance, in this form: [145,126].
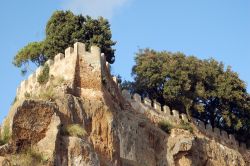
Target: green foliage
[43,77]
[74,130]
[63,29]
[5,137]
[48,94]
[166,126]
[32,52]
[27,158]
[204,89]
[186,126]
[27,95]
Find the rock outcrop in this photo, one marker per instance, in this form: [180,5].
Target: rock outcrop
[119,130]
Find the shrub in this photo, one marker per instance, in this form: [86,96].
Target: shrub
[5,137]
[43,77]
[27,158]
[57,81]
[165,126]
[48,94]
[27,95]
[74,130]
[186,126]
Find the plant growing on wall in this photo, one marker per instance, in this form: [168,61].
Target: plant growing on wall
[43,77]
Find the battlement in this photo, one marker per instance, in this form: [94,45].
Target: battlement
[157,113]
[64,66]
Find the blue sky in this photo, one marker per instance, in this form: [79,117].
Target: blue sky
[209,28]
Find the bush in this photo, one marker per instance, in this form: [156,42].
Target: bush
[186,126]
[48,94]
[27,158]
[27,95]
[43,77]
[5,137]
[74,130]
[165,126]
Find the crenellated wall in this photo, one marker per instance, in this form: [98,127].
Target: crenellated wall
[63,66]
[158,113]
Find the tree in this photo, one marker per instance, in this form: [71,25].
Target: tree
[63,30]
[32,52]
[203,89]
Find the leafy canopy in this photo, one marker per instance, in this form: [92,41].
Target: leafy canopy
[201,88]
[63,30]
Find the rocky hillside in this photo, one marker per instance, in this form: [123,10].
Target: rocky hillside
[79,116]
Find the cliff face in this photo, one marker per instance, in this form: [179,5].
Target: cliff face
[117,129]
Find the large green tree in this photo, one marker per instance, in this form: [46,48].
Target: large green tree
[64,29]
[204,89]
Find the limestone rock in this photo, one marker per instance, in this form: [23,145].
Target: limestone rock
[81,152]
[31,122]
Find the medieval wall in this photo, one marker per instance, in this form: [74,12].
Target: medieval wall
[157,113]
[66,66]
[63,66]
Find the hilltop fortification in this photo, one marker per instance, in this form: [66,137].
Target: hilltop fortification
[82,117]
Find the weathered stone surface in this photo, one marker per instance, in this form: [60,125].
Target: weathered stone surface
[31,121]
[120,131]
[179,146]
[4,161]
[81,152]
[47,145]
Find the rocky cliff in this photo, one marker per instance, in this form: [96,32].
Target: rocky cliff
[81,117]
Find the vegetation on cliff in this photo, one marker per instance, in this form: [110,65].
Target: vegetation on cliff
[63,30]
[203,89]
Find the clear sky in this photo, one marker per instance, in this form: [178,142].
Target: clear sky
[208,28]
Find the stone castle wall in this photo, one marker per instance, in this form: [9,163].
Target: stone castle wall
[64,66]
[158,113]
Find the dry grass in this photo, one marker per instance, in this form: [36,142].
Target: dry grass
[5,135]
[28,157]
[74,130]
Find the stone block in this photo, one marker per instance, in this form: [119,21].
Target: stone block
[68,51]
[126,94]
[232,140]
[157,105]
[201,125]
[137,97]
[115,80]
[79,48]
[18,91]
[108,66]
[209,128]
[58,57]
[50,62]
[217,132]
[184,117]
[96,51]
[147,102]
[224,134]
[32,78]
[176,113]
[166,110]
[243,146]
[237,144]
[38,71]
[103,58]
